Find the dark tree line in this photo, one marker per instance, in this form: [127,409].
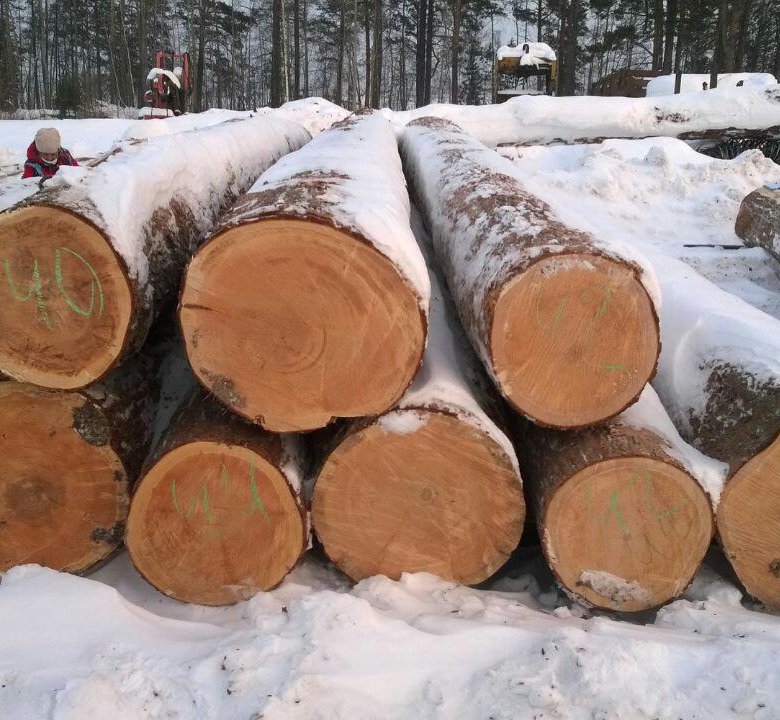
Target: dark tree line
[93,55]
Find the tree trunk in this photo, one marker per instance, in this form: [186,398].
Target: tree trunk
[454,81]
[623,523]
[143,68]
[658,34]
[328,291]
[201,58]
[296,49]
[376,64]
[69,460]
[367,41]
[562,321]
[433,484]
[429,53]
[420,55]
[85,277]
[217,516]
[671,22]
[724,397]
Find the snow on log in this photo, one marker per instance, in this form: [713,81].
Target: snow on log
[309,303]
[719,377]
[758,220]
[430,486]
[217,517]
[562,321]
[541,120]
[68,460]
[624,525]
[88,263]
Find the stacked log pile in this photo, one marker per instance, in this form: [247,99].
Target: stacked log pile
[88,265]
[441,379]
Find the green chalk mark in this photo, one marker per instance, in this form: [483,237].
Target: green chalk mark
[178,508]
[36,288]
[95,284]
[257,502]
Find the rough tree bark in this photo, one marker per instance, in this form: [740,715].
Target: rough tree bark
[80,296]
[561,320]
[217,516]
[758,221]
[326,313]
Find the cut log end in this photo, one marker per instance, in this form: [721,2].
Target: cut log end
[63,490]
[65,300]
[748,524]
[293,323]
[214,524]
[574,340]
[434,496]
[627,534]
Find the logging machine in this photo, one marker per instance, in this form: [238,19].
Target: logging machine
[169,86]
[515,66]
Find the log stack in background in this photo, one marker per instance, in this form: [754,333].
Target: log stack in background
[309,303]
[217,515]
[89,263]
[430,486]
[563,322]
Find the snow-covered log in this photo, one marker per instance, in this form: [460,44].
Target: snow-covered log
[430,486]
[719,377]
[68,459]
[623,523]
[88,263]
[216,517]
[758,221]
[309,303]
[563,321]
[541,120]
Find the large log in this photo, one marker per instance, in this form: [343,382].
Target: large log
[309,303]
[563,322]
[88,263]
[216,517]
[736,112]
[624,525]
[758,220]
[719,377]
[430,486]
[67,461]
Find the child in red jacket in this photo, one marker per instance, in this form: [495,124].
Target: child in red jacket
[45,156]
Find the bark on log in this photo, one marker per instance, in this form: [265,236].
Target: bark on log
[623,524]
[562,321]
[739,112]
[310,301]
[758,221]
[430,486]
[719,377]
[88,263]
[67,461]
[216,517]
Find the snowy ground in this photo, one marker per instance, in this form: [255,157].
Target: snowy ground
[111,647]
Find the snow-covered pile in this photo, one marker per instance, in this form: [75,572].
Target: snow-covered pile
[693,82]
[540,119]
[660,194]
[155,72]
[315,113]
[530,53]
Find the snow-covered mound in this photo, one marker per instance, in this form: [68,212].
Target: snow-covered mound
[661,194]
[692,82]
[75,648]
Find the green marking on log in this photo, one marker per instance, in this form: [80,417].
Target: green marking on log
[96,283]
[36,287]
[257,501]
[179,510]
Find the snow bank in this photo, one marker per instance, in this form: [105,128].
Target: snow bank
[662,195]
[315,113]
[407,650]
[534,120]
[536,53]
[692,82]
